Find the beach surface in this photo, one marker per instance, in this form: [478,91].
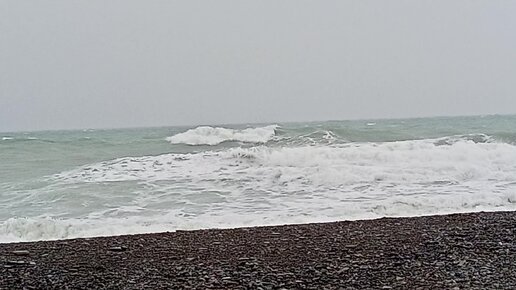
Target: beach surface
[458,251]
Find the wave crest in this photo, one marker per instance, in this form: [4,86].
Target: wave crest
[206,135]
[475,138]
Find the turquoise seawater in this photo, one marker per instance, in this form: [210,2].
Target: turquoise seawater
[64,184]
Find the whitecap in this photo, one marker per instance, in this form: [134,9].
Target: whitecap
[206,135]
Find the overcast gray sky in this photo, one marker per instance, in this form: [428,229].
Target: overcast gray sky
[101,63]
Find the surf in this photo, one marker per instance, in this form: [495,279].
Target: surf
[206,135]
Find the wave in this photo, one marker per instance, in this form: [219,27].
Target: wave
[206,135]
[25,140]
[265,185]
[403,163]
[475,138]
[309,211]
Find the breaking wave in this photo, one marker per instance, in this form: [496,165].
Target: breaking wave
[266,184]
[206,135]
[404,163]
[475,138]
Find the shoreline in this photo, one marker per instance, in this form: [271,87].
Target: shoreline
[464,250]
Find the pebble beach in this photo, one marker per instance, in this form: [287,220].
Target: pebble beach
[458,251]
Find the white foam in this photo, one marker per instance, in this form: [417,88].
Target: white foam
[264,186]
[404,165]
[7,138]
[206,135]
[48,228]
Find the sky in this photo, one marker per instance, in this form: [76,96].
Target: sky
[124,63]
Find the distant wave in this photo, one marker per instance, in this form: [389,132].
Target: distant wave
[206,135]
[19,139]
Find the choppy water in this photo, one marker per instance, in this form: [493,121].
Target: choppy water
[65,184]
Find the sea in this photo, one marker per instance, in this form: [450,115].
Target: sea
[85,183]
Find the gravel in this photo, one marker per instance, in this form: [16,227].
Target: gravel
[458,251]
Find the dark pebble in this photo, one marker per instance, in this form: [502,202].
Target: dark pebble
[459,251]
[21,252]
[118,249]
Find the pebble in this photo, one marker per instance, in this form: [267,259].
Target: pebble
[118,249]
[18,263]
[21,252]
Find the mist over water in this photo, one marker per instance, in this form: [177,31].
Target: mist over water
[65,184]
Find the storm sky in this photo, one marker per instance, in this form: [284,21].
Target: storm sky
[96,63]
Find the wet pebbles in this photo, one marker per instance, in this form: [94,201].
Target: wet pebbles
[460,251]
